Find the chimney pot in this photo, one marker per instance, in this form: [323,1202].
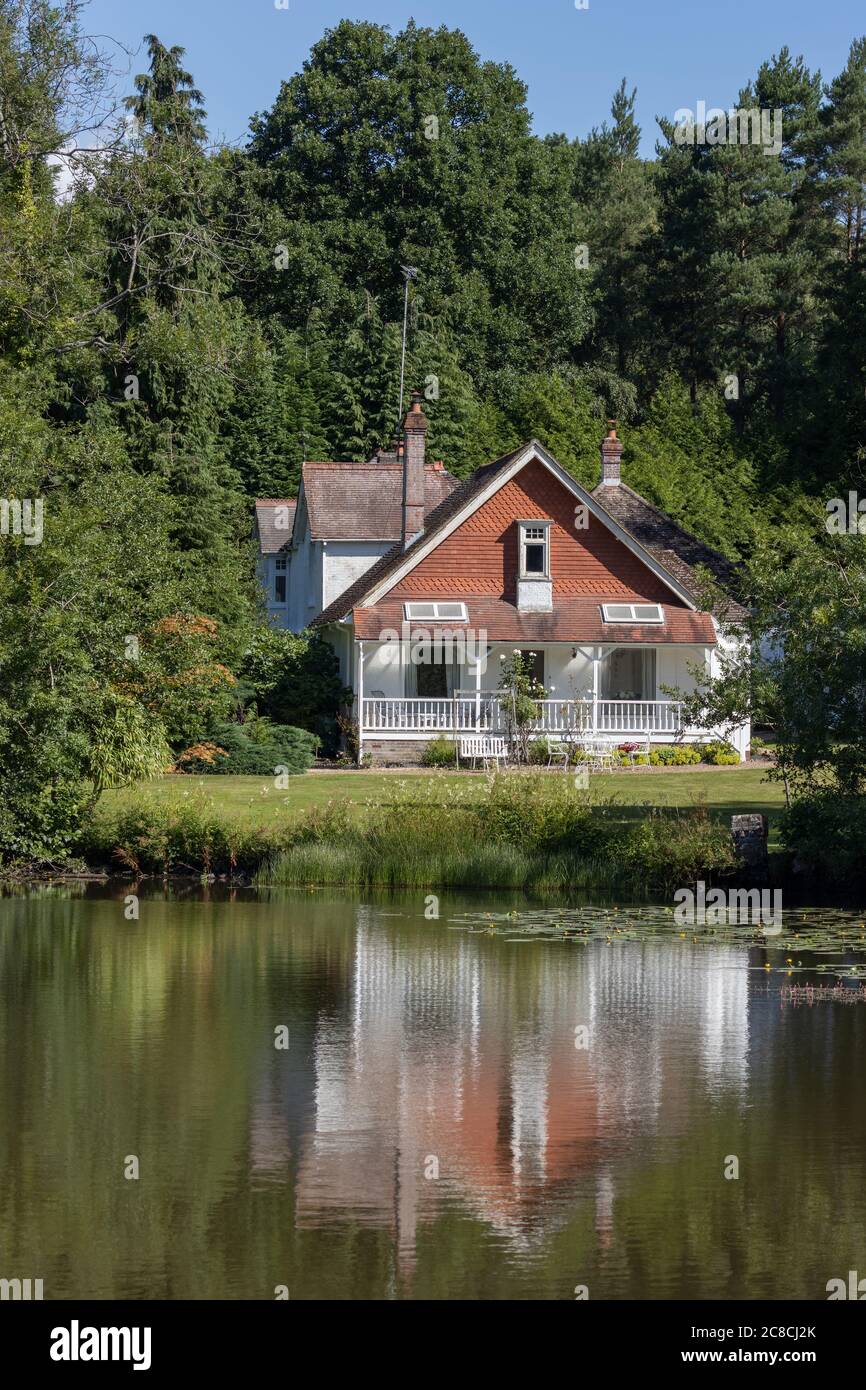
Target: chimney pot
[611,453]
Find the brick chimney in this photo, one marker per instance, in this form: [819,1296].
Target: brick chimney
[414,434]
[611,453]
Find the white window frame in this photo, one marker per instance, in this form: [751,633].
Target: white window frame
[524,539]
[633,615]
[434,613]
[281,571]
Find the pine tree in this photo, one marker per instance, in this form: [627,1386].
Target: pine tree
[167,107]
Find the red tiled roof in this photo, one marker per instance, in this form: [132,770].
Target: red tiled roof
[572,620]
[364,501]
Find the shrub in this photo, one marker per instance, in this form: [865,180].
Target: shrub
[541,813]
[152,838]
[671,847]
[827,833]
[675,755]
[296,679]
[256,750]
[439,752]
[720,754]
[538,752]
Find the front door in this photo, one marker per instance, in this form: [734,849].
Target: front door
[534,664]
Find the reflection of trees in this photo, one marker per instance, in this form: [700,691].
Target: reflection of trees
[145,1037]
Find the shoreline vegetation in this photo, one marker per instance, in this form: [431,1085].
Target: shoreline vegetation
[534,832]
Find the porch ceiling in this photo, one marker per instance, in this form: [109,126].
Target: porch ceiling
[572,620]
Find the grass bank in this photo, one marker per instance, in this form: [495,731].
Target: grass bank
[253,802]
[531,831]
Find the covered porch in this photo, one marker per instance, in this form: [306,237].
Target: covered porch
[612,691]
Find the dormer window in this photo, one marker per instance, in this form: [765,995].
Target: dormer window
[534,549]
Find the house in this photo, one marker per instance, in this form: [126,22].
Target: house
[424,586]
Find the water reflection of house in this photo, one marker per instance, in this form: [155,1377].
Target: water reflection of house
[452,1049]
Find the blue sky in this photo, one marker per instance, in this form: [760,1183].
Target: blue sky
[676,52]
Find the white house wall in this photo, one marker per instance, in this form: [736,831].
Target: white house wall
[266,569]
[319,572]
[346,561]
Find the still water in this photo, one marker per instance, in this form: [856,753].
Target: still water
[432,1129]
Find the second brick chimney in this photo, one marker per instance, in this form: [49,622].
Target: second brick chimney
[415,443]
[611,453]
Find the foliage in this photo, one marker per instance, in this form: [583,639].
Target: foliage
[527,830]
[719,754]
[825,833]
[258,748]
[801,667]
[439,752]
[181,326]
[296,680]
[674,755]
[669,848]
[520,693]
[539,752]
[149,838]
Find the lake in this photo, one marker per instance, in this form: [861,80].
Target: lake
[504,1102]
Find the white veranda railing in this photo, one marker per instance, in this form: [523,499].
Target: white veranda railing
[487,713]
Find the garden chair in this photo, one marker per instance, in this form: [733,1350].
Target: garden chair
[561,750]
[636,748]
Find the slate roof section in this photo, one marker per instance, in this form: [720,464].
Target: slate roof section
[364,501]
[676,549]
[271,539]
[572,620]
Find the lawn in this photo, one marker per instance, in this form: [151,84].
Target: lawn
[727,791]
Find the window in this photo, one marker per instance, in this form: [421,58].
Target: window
[629,673]
[534,556]
[436,612]
[280,568]
[632,613]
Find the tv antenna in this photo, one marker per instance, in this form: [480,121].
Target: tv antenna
[409,273]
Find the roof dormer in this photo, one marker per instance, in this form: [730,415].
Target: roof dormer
[534,578]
